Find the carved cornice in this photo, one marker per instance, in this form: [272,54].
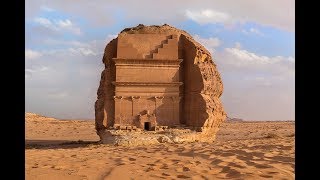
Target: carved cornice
[147,83]
[147,62]
[135,98]
[158,98]
[117,97]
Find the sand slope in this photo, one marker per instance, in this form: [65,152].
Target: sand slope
[58,149]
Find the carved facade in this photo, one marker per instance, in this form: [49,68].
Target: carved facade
[147,82]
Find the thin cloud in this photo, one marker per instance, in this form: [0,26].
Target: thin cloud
[242,57]
[31,54]
[58,25]
[82,51]
[210,43]
[270,13]
[235,59]
[35,69]
[58,95]
[208,16]
[74,65]
[256,31]
[46,9]
[266,13]
[252,31]
[72,48]
[256,87]
[72,43]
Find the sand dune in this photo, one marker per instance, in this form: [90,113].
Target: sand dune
[58,149]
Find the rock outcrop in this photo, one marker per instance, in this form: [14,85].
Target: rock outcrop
[201,107]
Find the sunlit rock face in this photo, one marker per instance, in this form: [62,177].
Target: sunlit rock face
[158,78]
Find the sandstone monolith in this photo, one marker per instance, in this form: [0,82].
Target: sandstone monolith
[158,78]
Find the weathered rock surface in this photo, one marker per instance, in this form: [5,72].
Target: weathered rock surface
[201,106]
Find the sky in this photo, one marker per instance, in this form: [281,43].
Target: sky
[251,41]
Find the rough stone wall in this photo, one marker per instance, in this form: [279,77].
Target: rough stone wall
[203,87]
[104,106]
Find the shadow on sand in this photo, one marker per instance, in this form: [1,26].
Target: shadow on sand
[58,144]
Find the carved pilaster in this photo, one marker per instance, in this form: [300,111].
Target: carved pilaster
[157,101]
[135,104]
[117,105]
[176,99]
[117,97]
[158,98]
[175,108]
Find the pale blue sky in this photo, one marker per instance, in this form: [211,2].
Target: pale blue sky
[252,42]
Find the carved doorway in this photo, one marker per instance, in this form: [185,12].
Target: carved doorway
[147,126]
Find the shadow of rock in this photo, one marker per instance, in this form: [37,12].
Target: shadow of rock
[231,173]
[283,159]
[57,144]
[183,176]
[216,162]
[236,165]
[260,166]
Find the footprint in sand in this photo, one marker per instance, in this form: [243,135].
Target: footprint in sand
[182,176]
[158,161]
[269,155]
[132,159]
[185,169]
[216,162]
[120,163]
[175,161]
[233,174]
[266,176]
[204,171]
[260,166]
[149,169]
[164,174]
[164,166]
[226,154]
[236,165]
[182,169]
[151,164]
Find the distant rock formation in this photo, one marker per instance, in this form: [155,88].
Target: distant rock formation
[36,117]
[233,119]
[185,90]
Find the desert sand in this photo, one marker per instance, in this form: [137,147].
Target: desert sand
[69,149]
